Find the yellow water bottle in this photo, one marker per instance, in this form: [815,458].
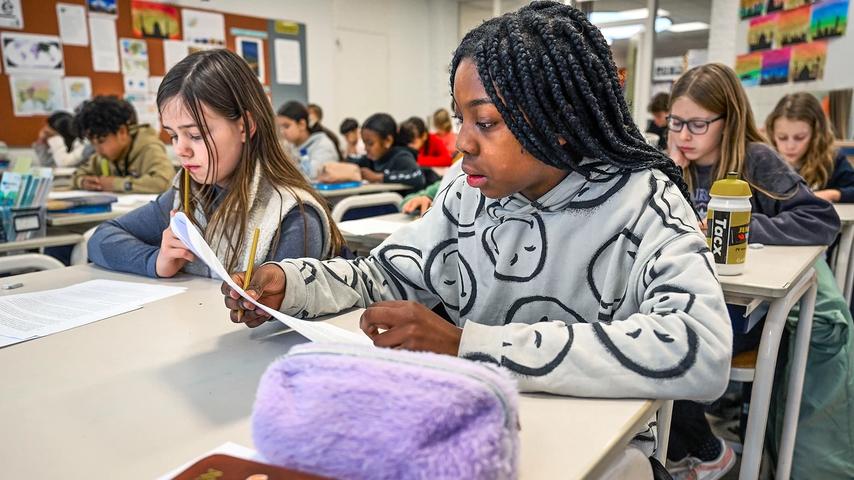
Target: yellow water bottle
[728,223]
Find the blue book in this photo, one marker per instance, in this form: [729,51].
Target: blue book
[337,186]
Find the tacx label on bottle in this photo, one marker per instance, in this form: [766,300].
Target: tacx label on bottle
[727,234]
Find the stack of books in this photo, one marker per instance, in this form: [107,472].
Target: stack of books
[95,203]
[25,190]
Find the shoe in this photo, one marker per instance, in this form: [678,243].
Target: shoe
[692,468]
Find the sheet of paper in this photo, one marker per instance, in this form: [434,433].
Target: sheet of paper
[173,52]
[72,24]
[288,64]
[105,54]
[367,226]
[11,15]
[134,55]
[77,91]
[203,27]
[314,331]
[36,314]
[36,94]
[32,54]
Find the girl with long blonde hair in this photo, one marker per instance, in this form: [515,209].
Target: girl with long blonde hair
[223,131]
[800,131]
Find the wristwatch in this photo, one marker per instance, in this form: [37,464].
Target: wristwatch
[128,185]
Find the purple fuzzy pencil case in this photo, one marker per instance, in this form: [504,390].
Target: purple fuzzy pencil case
[360,412]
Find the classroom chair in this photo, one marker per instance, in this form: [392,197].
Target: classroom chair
[28,261]
[369,205]
[744,368]
[80,252]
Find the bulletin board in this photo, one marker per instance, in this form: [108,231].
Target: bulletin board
[40,17]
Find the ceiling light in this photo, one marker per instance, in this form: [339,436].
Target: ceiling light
[688,27]
[603,18]
[630,30]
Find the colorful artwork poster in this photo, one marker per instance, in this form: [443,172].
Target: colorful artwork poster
[155,20]
[252,50]
[134,54]
[775,66]
[106,7]
[793,4]
[808,60]
[760,35]
[749,68]
[775,6]
[829,19]
[26,53]
[794,26]
[751,8]
[36,95]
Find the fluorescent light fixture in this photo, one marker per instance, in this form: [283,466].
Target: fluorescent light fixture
[628,31]
[688,27]
[603,18]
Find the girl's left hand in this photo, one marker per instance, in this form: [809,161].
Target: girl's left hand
[831,195]
[371,176]
[411,326]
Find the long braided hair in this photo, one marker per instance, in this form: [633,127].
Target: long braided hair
[550,74]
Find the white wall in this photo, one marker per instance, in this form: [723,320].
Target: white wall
[420,34]
[728,38]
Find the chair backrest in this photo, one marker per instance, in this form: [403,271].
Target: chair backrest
[28,261]
[390,200]
[80,252]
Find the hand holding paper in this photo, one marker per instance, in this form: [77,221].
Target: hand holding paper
[314,331]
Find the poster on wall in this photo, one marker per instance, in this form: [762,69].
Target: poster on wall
[775,66]
[36,95]
[749,68]
[134,55]
[829,19]
[794,26]
[751,8]
[252,50]
[808,61]
[207,28]
[72,24]
[155,20]
[11,15]
[105,56]
[774,6]
[77,90]
[762,31]
[792,4]
[26,53]
[288,64]
[102,7]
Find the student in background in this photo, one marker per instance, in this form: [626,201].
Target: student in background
[444,129]
[353,145]
[58,144]
[800,131]
[315,117]
[312,148]
[430,149]
[223,131]
[385,159]
[129,157]
[658,125]
[712,132]
[511,255]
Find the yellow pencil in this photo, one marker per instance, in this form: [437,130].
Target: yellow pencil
[105,167]
[187,192]
[248,277]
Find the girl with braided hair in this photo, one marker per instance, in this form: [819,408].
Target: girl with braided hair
[565,251]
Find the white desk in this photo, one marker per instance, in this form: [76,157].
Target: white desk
[842,262]
[782,276]
[126,202]
[364,188]
[368,233]
[142,393]
[41,242]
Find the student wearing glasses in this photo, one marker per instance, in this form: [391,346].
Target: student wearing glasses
[712,132]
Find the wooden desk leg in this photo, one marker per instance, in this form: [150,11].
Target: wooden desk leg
[796,383]
[763,379]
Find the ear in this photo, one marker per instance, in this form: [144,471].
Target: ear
[251,120]
[388,142]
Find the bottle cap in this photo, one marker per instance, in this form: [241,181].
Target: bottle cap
[731,186]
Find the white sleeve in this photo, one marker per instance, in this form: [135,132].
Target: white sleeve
[61,156]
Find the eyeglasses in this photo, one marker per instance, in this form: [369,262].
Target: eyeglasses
[697,126]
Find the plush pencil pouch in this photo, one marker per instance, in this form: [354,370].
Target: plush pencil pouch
[360,412]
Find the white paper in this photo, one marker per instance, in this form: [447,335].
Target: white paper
[314,331]
[368,226]
[252,50]
[102,7]
[173,52]
[134,54]
[207,28]
[154,85]
[11,15]
[27,53]
[72,24]
[36,314]
[36,95]
[137,84]
[102,32]
[288,65]
[77,90]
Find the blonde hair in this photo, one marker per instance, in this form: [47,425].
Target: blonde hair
[817,163]
[716,88]
[442,120]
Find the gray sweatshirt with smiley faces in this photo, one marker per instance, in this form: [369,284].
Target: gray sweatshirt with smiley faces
[603,287]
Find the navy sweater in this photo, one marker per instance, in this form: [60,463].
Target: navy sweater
[398,165]
[842,178]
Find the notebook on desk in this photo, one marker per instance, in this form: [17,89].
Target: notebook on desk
[337,186]
[82,204]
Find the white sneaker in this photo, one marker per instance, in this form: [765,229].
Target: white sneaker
[692,468]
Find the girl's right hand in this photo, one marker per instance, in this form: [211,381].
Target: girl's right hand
[267,286]
[173,255]
[421,204]
[677,156]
